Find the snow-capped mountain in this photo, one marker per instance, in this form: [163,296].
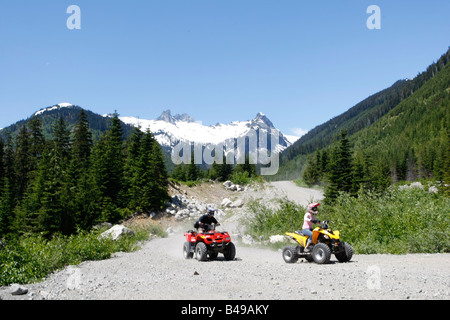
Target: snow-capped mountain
[55,107]
[169,130]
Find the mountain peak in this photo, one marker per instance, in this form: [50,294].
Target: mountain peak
[263,121]
[167,117]
[55,107]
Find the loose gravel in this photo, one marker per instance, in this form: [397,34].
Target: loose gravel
[159,272]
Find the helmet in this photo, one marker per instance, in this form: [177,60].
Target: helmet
[313,207]
[211,211]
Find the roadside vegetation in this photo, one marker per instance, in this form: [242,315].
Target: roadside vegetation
[398,221]
[32,257]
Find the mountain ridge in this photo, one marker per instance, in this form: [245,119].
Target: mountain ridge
[170,130]
[359,118]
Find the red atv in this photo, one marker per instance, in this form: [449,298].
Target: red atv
[208,244]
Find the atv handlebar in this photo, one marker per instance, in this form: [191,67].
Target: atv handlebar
[325,224]
[209,227]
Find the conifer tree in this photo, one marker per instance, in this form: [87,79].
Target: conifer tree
[23,163]
[6,208]
[340,169]
[192,171]
[2,164]
[37,140]
[81,146]
[61,140]
[150,179]
[84,203]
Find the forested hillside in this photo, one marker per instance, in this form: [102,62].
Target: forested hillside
[97,123]
[68,182]
[373,113]
[410,142]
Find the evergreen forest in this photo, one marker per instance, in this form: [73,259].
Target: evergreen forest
[65,183]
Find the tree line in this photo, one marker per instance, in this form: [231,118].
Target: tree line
[341,168]
[69,183]
[239,173]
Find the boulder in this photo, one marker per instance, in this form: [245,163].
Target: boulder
[116,232]
[276,238]
[18,290]
[237,204]
[227,184]
[226,203]
[247,239]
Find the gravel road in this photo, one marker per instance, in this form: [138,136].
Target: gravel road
[159,272]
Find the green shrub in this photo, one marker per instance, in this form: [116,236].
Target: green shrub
[398,221]
[31,258]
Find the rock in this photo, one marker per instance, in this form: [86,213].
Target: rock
[18,290]
[416,185]
[276,238]
[433,189]
[227,184]
[116,232]
[247,239]
[226,203]
[237,204]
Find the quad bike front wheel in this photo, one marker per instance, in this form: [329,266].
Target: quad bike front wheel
[321,253]
[201,251]
[346,254]
[229,252]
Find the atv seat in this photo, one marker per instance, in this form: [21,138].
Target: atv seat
[300,233]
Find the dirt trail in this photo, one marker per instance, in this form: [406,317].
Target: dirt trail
[159,272]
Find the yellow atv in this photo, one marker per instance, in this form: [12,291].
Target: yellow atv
[324,243]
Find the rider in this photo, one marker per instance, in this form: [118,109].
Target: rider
[206,219]
[308,220]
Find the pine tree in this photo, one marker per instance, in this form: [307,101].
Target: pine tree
[221,172]
[149,176]
[6,208]
[37,140]
[48,199]
[179,173]
[108,163]
[2,164]
[160,174]
[340,169]
[84,203]
[61,140]
[193,171]
[23,162]
[115,163]
[81,146]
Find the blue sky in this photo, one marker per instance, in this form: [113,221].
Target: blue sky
[299,62]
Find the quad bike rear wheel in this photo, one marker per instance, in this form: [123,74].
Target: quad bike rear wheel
[321,253]
[290,254]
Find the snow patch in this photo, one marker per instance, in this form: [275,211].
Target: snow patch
[55,107]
